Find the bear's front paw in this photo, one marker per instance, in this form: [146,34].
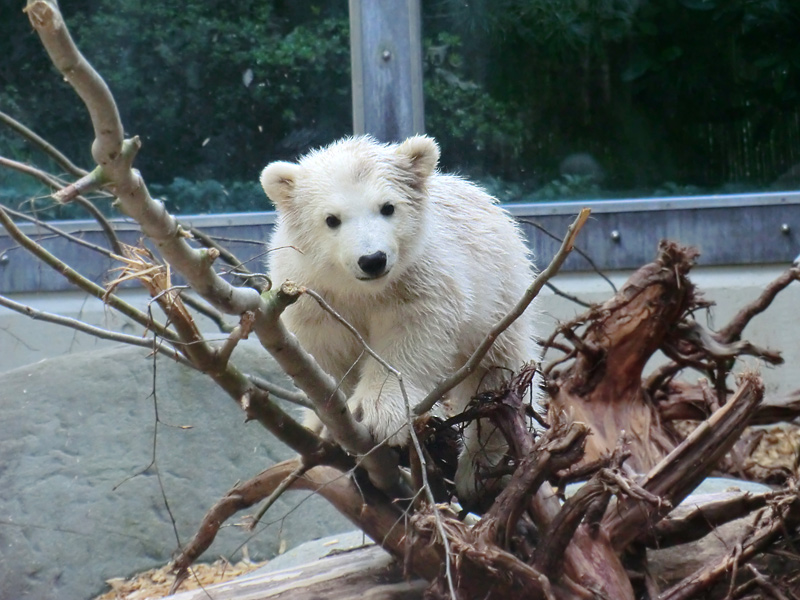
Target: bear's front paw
[385,422]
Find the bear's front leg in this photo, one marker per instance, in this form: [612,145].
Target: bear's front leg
[379,402]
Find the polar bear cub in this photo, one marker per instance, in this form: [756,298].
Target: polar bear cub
[421,263]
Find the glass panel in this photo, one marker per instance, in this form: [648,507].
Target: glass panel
[215,90]
[536,99]
[552,99]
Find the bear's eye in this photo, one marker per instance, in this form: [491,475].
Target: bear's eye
[333,221]
[387,210]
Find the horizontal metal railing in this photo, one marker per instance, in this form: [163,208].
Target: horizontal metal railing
[622,234]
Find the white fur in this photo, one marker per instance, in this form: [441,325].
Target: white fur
[455,263]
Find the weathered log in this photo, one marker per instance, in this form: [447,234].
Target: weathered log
[684,468]
[602,387]
[366,572]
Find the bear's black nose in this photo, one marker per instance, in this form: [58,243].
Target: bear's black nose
[373,264]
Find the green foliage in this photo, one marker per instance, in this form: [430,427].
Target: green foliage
[215,89]
[568,187]
[699,92]
[476,131]
[225,83]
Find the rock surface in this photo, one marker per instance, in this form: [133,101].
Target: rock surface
[78,503]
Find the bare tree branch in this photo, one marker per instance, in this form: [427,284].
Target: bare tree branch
[98,332]
[732,331]
[85,284]
[57,184]
[685,467]
[588,258]
[771,526]
[60,232]
[298,398]
[42,145]
[379,519]
[329,401]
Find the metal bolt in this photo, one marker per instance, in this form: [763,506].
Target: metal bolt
[615,236]
[386,55]
[4,260]
[785,229]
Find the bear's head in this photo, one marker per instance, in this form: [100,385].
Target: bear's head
[354,210]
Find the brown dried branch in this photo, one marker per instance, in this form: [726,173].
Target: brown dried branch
[589,561]
[685,467]
[558,448]
[484,570]
[602,386]
[279,490]
[368,509]
[583,472]
[549,554]
[587,505]
[687,525]
[734,329]
[685,401]
[711,346]
[727,336]
[772,524]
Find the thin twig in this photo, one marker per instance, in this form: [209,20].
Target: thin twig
[298,398]
[569,297]
[57,184]
[480,352]
[733,330]
[229,257]
[60,232]
[284,485]
[82,282]
[98,332]
[588,258]
[42,144]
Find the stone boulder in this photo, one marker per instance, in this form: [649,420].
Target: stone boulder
[79,501]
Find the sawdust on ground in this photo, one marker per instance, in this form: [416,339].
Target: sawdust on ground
[156,583]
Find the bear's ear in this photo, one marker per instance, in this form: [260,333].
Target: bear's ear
[278,180]
[422,152]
